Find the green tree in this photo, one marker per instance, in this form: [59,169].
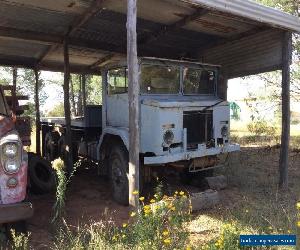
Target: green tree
[57,111]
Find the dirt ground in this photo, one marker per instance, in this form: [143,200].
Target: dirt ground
[251,199]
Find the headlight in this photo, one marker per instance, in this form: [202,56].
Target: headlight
[224,131]
[10,150]
[168,137]
[11,167]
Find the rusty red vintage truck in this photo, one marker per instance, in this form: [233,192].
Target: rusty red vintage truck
[13,169]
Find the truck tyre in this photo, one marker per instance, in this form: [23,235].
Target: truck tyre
[119,174]
[42,178]
[51,143]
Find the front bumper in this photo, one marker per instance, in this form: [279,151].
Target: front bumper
[188,155]
[15,212]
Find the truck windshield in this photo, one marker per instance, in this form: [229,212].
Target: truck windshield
[160,79]
[198,81]
[3,108]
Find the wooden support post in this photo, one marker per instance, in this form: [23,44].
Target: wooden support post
[133,93]
[68,136]
[37,113]
[285,131]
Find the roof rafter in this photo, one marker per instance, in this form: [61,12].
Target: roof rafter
[102,60]
[95,7]
[168,28]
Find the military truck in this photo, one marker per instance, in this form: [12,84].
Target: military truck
[13,169]
[183,122]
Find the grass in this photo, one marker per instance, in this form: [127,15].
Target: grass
[252,204]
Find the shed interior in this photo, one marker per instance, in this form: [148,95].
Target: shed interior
[241,36]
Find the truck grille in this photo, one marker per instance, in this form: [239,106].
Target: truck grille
[199,125]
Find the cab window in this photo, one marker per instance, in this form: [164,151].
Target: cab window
[117,81]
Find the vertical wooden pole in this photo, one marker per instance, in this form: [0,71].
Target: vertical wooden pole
[14,90]
[68,136]
[37,113]
[285,132]
[79,102]
[133,93]
[83,80]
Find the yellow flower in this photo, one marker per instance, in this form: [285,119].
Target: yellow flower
[142,198]
[188,247]
[176,192]
[173,208]
[133,214]
[58,164]
[167,241]
[152,201]
[147,211]
[298,223]
[298,205]
[124,225]
[123,236]
[135,192]
[181,193]
[270,228]
[289,231]
[114,237]
[165,233]
[147,207]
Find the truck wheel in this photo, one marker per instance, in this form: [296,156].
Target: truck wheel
[20,227]
[51,143]
[42,179]
[119,174]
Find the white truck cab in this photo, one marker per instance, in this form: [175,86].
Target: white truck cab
[181,118]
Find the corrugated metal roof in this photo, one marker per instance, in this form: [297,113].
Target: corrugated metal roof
[105,32]
[253,11]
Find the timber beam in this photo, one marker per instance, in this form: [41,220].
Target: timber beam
[168,28]
[101,61]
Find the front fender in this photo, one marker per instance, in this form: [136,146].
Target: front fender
[121,132]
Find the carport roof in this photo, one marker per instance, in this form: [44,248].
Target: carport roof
[32,31]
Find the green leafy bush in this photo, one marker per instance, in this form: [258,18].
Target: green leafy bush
[228,239]
[160,224]
[261,127]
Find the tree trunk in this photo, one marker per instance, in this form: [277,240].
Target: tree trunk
[285,133]
[133,93]
[79,103]
[84,96]
[37,113]
[68,135]
[72,97]
[14,90]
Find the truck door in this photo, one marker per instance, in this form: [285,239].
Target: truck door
[117,106]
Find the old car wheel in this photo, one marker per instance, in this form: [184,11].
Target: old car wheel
[51,145]
[42,178]
[119,174]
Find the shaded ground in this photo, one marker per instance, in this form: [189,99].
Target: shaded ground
[251,200]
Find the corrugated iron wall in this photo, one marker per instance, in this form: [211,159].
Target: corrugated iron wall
[250,55]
